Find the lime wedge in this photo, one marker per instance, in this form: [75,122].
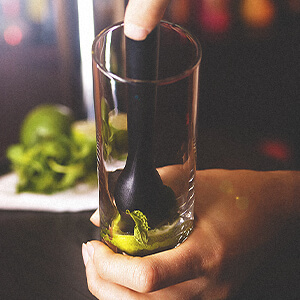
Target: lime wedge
[118,122]
[119,136]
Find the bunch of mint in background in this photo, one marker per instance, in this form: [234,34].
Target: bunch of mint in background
[55,152]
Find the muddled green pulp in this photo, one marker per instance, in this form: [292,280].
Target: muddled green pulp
[145,240]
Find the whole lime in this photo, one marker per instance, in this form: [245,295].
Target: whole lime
[45,121]
[84,131]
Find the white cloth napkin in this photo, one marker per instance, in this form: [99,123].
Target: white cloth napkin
[81,197]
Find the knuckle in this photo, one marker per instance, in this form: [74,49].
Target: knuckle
[214,257]
[93,288]
[208,261]
[146,277]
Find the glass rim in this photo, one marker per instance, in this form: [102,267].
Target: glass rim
[160,81]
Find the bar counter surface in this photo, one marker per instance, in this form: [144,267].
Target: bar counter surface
[40,255]
[40,258]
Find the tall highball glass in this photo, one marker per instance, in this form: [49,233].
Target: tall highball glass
[146,140]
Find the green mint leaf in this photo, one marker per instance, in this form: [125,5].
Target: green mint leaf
[141,227]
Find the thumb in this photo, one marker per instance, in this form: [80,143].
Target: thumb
[141,16]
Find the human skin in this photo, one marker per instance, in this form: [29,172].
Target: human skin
[141,16]
[236,214]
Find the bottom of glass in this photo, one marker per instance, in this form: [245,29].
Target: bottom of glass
[143,240]
[159,239]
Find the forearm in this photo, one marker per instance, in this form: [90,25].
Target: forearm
[284,188]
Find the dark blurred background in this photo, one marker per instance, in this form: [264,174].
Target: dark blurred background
[249,98]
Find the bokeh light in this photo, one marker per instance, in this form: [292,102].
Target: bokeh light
[214,15]
[13,35]
[258,13]
[37,10]
[276,149]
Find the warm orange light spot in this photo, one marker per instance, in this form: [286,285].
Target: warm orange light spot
[13,35]
[258,13]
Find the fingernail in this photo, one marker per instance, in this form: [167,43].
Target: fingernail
[95,216]
[135,32]
[85,254]
[90,250]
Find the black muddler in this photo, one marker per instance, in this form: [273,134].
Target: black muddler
[139,186]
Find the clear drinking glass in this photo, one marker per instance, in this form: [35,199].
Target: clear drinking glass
[149,134]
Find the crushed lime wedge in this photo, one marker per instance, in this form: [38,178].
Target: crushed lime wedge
[144,240]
